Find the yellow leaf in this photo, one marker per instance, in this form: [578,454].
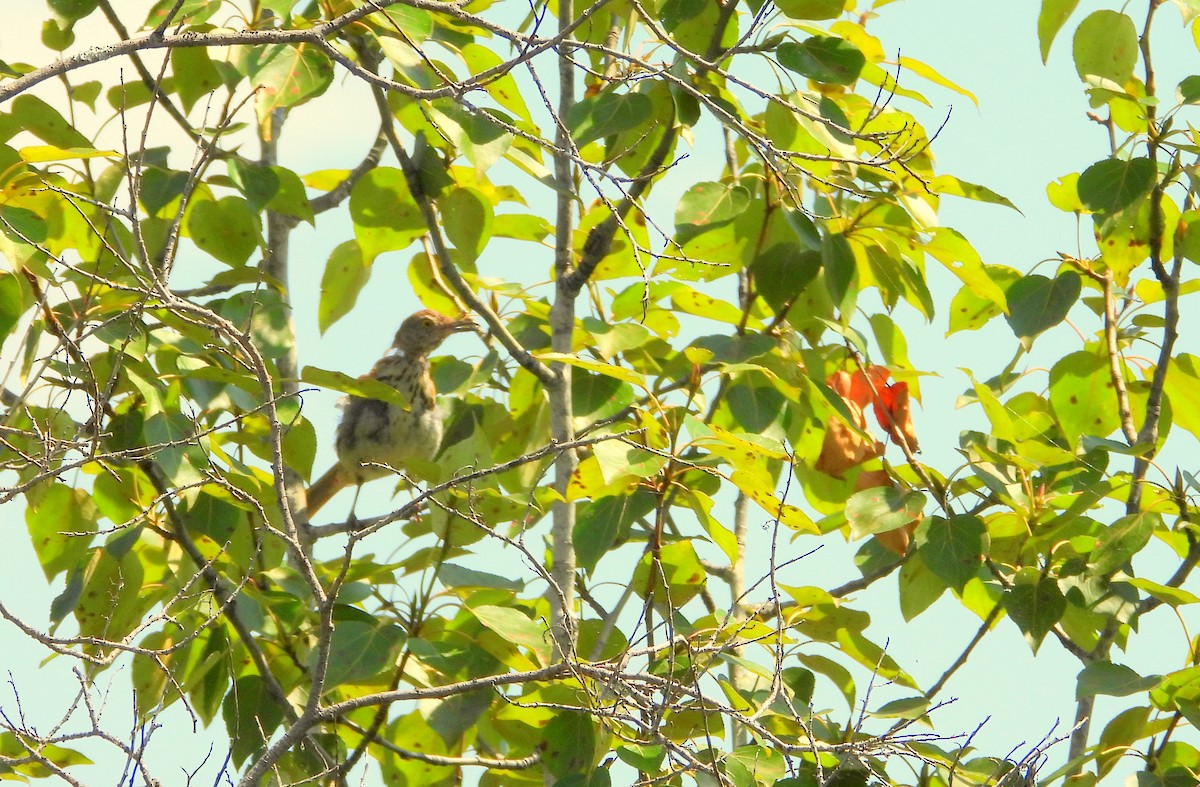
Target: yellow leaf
[760,493]
[41,153]
[599,367]
[928,72]
[325,179]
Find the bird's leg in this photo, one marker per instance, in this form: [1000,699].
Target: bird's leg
[352,520]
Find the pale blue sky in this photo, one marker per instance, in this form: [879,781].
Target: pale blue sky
[1029,129]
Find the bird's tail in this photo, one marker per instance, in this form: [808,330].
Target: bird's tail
[326,487]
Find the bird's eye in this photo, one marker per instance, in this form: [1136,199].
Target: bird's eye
[426,322]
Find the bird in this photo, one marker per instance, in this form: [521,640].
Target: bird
[375,435]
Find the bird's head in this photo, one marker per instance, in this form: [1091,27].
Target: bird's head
[422,332]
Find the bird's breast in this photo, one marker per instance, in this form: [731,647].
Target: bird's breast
[377,432]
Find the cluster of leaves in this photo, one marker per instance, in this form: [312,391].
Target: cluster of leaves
[157,437]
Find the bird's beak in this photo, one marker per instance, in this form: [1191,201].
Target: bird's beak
[463,325]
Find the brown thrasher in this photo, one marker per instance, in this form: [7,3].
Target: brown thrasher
[375,435]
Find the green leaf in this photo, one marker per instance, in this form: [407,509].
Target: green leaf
[1064,193]
[521,226]
[114,597]
[800,682]
[414,732]
[12,302]
[177,451]
[855,644]
[690,301]
[466,219]
[251,716]
[194,11]
[1110,185]
[644,758]
[22,224]
[385,215]
[300,446]
[970,312]
[1188,91]
[24,768]
[953,548]
[502,86]
[826,59]
[360,650]
[680,567]
[346,273]
[702,506]
[1113,680]
[362,387]
[195,74]
[950,248]
[882,508]
[693,24]
[907,708]
[477,135]
[783,271]
[1122,540]
[1035,604]
[1189,235]
[948,184]
[1106,46]
[1125,729]
[287,75]
[455,576]
[1082,395]
[1036,303]
[1050,20]
[158,188]
[227,228]
[711,203]
[1175,597]
[290,198]
[841,268]
[56,35]
[1182,387]
[812,9]
[839,675]
[919,588]
[258,184]
[754,765]
[601,522]
[44,121]
[755,406]
[515,627]
[71,11]
[607,114]
[569,743]
[60,520]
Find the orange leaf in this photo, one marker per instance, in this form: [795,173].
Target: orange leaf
[845,446]
[892,540]
[867,384]
[894,414]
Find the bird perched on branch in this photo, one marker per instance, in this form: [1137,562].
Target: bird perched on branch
[375,435]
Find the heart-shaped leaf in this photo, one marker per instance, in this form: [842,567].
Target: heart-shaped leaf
[1036,303]
[1110,185]
[826,59]
[882,508]
[1035,604]
[607,114]
[227,228]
